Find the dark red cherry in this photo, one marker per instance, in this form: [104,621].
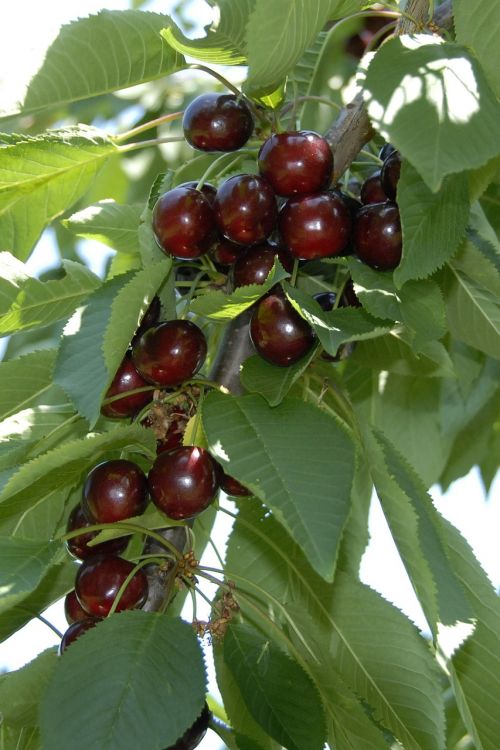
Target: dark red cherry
[115,490]
[352,203]
[224,252]
[217,122]
[231,486]
[183,223]
[99,580]
[253,265]
[73,609]
[326,300]
[194,735]
[126,379]
[245,209]
[296,163]
[208,190]
[149,318]
[349,297]
[389,174]
[315,226]
[377,236]
[386,150]
[170,352]
[372,190]
[183,482]
[78,545]
[279,334]
[76,630]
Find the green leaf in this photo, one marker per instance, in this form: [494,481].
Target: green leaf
[26,380]
[475,27]
[310,496]
[270,381]
[26,738]
[394,353]
[441,86]
[111,223]
[222,307]
[479,260]
[433,224]
[277,691]
[423,310]
[105,52]
[376,290]
[21,691]
[41,303]
[225,40]
[24,562]
[145,671]
[42,176]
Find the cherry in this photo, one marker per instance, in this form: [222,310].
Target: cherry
[149,318]
[170,352]
[75,631]
[296,163]
[126,379]
[377,236]
[194,735]
[78,545]
[349,297]
[352,204]
[389,174]
[225,252]
[245,209]
[208,190]
[183,223]
[72,609]
[326,300]
[100,578]
[315,226]
[115,490]
[183,482]
[253,265]
[386,150]
[279,334]
[217,122]
[372,190]
[231,486]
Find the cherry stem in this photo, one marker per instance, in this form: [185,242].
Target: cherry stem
[131,528]
[192,594]
[126,394]
[230,86]
[213,167]
[319,99]
[385,30]
[209,383]
[46,622]
[217,553]
[124,585]
[147,126]
[222,731]
[153,142]
[295,271]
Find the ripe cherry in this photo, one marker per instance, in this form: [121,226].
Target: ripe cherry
[279,334]
[75,631]
[386,150]
[326,300]
[296,163]
[225,252]
[349,297]
[217,122]
[183,223]
[372,190]
[78,545]
[99,580]
[231,486]
[253,265]
[245,209]
[315,226]
[183,482]
[149,318]
[73,609]
[115,490]
[389,174]
[208,190]
[126,379]
[194,735]
[377,236]
[170,352]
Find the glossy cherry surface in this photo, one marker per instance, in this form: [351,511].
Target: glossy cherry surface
[253,265]
[315,226]
[99,579]
[73,609]
[296,163]
[194,735]
[386,150]
[278,332]
[377,236]
[183,223]
[389,174]
[245,209]
[78,545]
[149,318]
[217,122]
[126,379]
[170,352]
[183,482]
[208,190]
[115,490]
[372,190]
[225,252]
[231,486]
[75,631]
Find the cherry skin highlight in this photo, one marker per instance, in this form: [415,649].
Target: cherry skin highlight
[372,190]
[377,236]
[99,579]
[280,335]
[170,352]
[183,223]
[115,490]
[183,482]
[245,209]
[78,545]
[126,379]
[315,226]
[253,265]
[73,610]
[217,122]
[296,163]
[75,631]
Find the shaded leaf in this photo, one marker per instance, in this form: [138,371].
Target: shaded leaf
[270,381]
[22,690]
[24,562]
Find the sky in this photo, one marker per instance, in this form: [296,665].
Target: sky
[465,504]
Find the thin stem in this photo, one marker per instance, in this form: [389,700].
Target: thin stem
[49,625]
[124,585]
[230,86]
[222,731]
[192,593]
[371,156]
[295,271]
[213,168]
[153,142]
[209,383]
[217,553]
[147,126]
[131,528]
[126,394]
